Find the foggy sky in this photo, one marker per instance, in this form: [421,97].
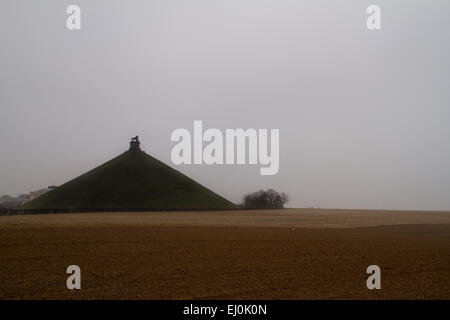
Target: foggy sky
[363,115]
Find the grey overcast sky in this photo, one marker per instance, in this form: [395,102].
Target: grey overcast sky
[363,115]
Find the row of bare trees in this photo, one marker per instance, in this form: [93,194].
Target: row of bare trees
[265,199]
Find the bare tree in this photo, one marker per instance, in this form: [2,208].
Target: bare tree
[284,198]
[269,199]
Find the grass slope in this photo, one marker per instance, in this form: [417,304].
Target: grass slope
[133,180]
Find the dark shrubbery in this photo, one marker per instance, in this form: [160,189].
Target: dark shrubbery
[268,199]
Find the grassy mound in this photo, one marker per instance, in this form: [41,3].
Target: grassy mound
[133,180]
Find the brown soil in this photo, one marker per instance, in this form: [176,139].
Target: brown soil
[292,254]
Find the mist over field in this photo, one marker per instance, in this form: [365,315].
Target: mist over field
[363,116]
